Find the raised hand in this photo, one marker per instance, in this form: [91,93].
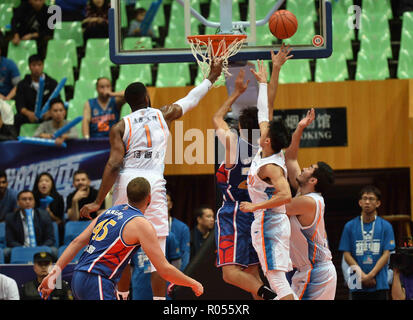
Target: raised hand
[282,56]
[308,119]
[215,69]
[261,75]
[240,85]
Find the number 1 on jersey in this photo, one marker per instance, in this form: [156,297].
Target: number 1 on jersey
[148,136]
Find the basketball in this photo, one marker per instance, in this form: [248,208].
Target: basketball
[283,24]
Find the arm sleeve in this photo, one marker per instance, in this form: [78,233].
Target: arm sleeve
[194,96]
[185,247]
[262,103]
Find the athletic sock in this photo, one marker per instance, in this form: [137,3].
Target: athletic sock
[266,293]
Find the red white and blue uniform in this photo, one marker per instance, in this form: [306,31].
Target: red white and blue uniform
[233,227]
[101,264]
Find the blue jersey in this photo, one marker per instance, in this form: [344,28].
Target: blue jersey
[107,254]
[233,181]
[368,248]
[102,120]
[9,75]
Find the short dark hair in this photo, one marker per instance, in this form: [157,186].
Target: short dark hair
[138,189]
[135,94]
[279,134]
[248,120]
[3,174]
[35,58]
[139,11]
[56,100]
[325,177]
[100,78]
[80,171]
[370,189]
[24,191]
[199,212]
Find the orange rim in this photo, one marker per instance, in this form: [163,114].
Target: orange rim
[216,40]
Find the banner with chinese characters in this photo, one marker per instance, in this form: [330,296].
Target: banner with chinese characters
[329,128]
[23,162]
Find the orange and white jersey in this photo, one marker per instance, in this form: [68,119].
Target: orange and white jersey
[258,189]
[308,245]
[146,139]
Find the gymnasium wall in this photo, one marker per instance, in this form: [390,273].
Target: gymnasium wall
[379,123]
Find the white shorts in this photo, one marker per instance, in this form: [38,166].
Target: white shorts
[315,283]
[157,212]
[270,233]
[162,244]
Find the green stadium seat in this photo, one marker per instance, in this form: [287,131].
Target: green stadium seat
[173,75]
[374,24]
[59,68]
[23,67]
[84,90]
[177,27]
[302,9]
[22,51]
[175,42]
[382,7]
[125,110]
[406,41]
[340,8]
[12,104]
[159,19]
[97,48]
[6,14]
[341,28]
[405,65]
[70,30]
[93,68]
[295,71]
[342,45]
[373,67]
[137,43]
[305,33]
[331,69]
[133,73]
[15,3]
[375,43]
[28,129]
[214,11]
[63,49]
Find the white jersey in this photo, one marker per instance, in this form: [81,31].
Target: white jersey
[258,189]
[308,245]
[146,139]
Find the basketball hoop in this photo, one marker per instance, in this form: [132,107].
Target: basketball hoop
[206,47]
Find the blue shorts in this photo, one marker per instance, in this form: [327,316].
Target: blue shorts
[90,286]
[233,236]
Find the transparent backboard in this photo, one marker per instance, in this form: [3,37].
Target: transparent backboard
[161,38]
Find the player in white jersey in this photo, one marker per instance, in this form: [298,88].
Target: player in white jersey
[316,277]
[138,147]
[269,192]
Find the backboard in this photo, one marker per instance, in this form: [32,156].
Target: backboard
[174,20]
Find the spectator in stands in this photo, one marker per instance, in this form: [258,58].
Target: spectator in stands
[8,288]
[96,23]
[26,93]
[30,22]
[58,114]
[182,234]
[9,78]
[8,197]
[42,261]
[205,224]
[366,243]
[135,25]
[47,198]
[7,129]
[83,194]
[72,10]
[28,227]
[101,113]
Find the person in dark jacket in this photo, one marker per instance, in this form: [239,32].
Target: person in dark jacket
[18,227]
[26,93]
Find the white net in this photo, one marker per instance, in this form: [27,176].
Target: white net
[204,52]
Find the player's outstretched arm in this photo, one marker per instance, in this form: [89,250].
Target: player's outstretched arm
[282,195]
[291,153]
[262,102]
[48,283]
[111,171]
[141,230]
[225,135]
[182,106]
[277,61]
